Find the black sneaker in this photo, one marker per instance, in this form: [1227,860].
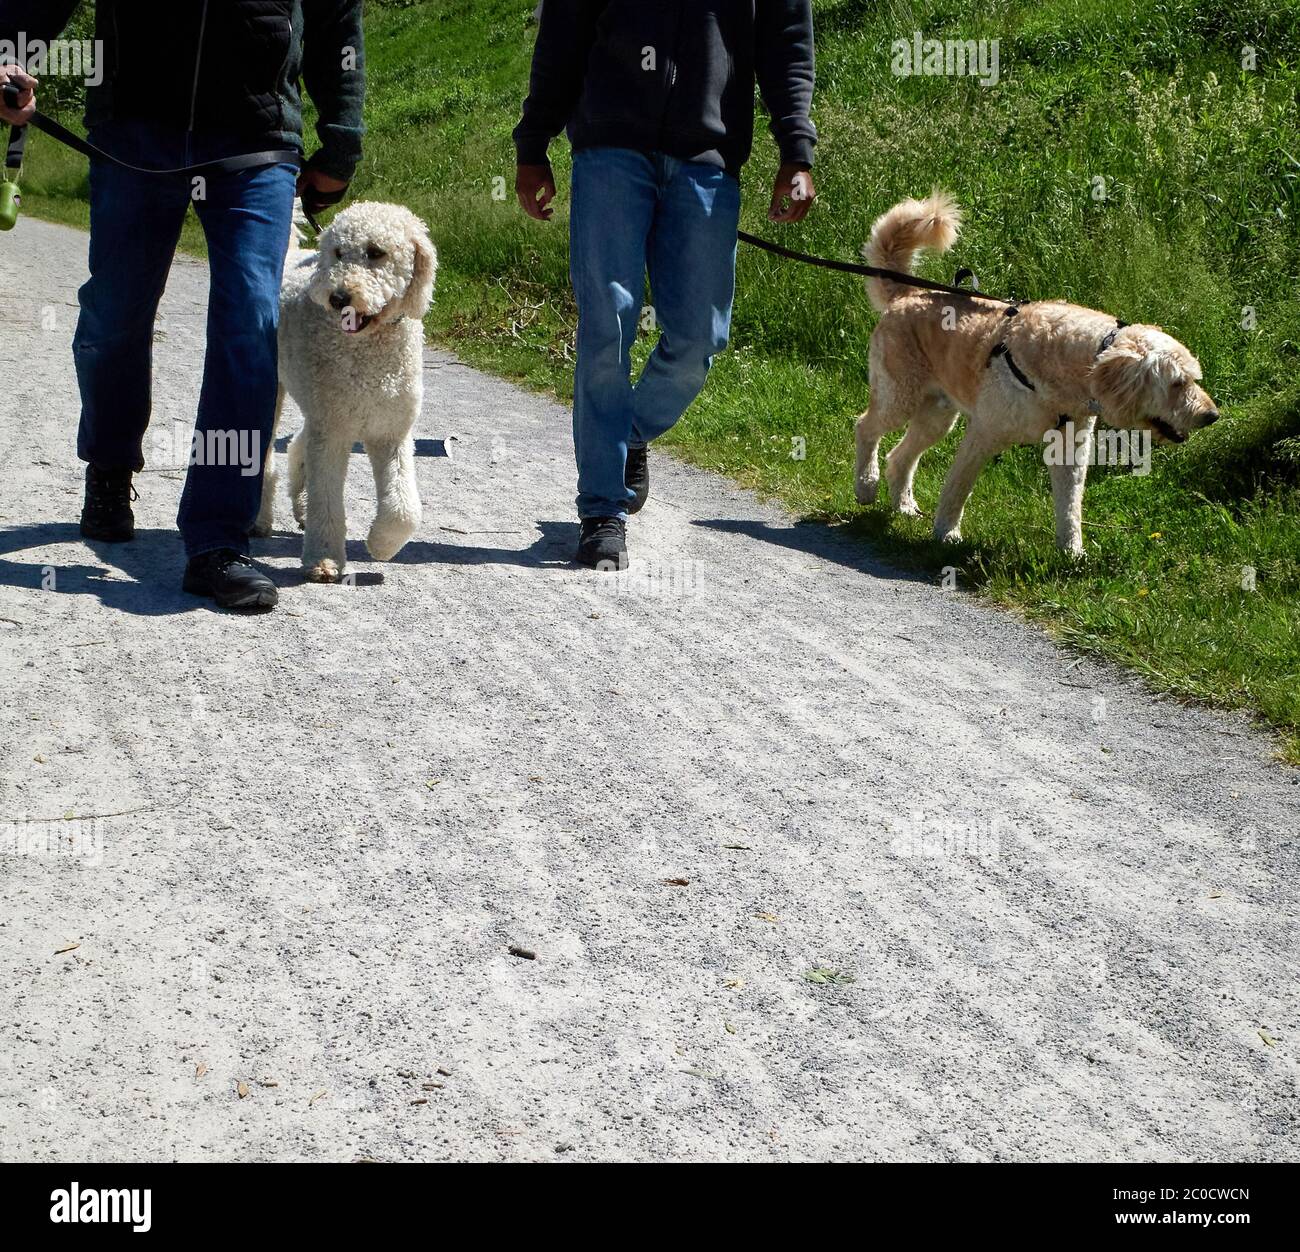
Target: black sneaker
[636,477]
[231,580]
[106,514]
[603,544]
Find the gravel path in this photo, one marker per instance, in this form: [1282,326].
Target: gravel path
[303,844]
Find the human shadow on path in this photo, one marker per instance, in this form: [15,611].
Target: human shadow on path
[153,563]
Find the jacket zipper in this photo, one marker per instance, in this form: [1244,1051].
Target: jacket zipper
[282,85]
[198,62]
[672,73]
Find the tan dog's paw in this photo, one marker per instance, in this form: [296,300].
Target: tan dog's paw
[866,490]
[910,508]
[324,571]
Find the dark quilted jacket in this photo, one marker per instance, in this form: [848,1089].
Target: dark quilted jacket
[227,65]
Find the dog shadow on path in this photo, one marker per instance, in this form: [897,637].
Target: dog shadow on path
[837,544]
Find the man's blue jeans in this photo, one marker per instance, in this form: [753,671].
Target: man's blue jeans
[135,224]
[632,212]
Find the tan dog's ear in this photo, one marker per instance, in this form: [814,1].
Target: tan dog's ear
[419,294]
[1118,381]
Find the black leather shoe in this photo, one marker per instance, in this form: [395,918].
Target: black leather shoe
[231,579]
[603,544]
[636,477]
[106,514]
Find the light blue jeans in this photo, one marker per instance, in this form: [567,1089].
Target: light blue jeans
[632,213]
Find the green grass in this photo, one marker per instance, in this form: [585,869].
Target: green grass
[1201,166]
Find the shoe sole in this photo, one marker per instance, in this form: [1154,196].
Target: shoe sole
[604,565]
[107,536]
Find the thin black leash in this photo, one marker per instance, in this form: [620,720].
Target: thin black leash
[231,165]
[224,165]
[1000,349]
[872,271]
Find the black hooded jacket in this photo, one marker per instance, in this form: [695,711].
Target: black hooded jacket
[674,76]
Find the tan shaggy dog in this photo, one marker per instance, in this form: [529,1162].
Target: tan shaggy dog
[1016,376]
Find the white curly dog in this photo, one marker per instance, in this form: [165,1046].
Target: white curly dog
[351,355]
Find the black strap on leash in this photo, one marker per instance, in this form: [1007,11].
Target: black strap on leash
[17,144]
[873,271]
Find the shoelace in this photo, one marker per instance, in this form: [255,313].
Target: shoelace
[109,496]
[224,558]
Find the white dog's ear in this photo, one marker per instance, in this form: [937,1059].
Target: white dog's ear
[1119,381]
[419,293]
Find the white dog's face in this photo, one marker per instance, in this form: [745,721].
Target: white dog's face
[375,265]
[1148,380]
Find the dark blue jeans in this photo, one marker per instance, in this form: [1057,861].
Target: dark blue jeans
[135,224]
[633,213]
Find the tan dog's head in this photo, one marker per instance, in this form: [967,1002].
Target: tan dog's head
[1147,379]
[375,265]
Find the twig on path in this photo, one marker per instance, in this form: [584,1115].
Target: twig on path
[81,817]
[456,530]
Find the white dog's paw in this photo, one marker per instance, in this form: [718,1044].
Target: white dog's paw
[866,490]
[324,571]
[300,512]
[908,508]
[1075,551]
[388,537]
[948,536]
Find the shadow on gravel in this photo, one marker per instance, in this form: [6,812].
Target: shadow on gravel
[553,547]
[423,447]
[817,539]
[152,562]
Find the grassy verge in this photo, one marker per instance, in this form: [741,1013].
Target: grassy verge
[1131,157]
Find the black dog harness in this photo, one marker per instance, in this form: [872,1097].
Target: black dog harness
[1000,349]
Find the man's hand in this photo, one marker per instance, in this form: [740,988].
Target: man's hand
[318,191]
[26,100]
[792,194]
[535,187]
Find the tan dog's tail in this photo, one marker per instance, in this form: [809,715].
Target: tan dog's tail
[899,234]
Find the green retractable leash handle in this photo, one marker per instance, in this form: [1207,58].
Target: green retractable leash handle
[10,201]
[10,196]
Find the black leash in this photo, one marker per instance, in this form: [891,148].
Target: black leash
[871,271]
[1000,349]
[313,202]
